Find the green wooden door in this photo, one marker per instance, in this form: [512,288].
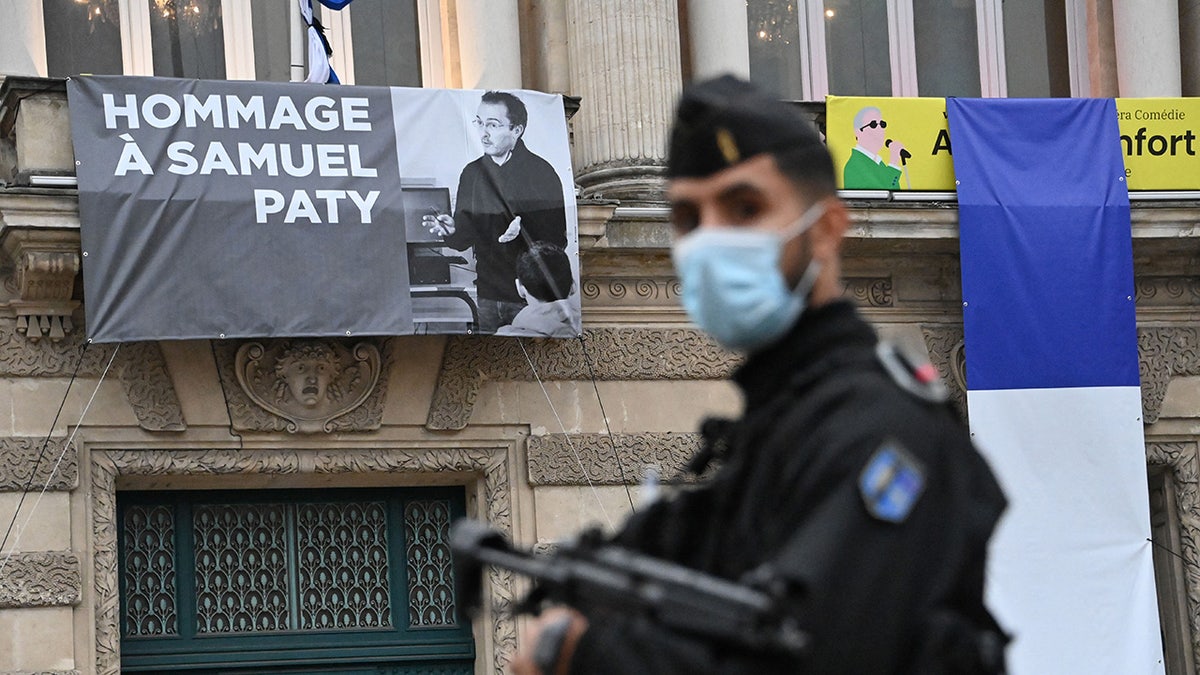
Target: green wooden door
[355,582]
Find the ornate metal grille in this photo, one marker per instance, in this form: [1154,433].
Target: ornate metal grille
[241,568]
[343,565]
[149,542]
[290,580]
[430,575]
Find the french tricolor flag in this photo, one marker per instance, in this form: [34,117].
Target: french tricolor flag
[1052,379]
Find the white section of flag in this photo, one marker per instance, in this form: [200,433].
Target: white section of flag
[1071,568]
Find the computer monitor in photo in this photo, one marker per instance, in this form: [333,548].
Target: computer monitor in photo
[419,202]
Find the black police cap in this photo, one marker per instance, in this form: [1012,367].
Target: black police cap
[725,120]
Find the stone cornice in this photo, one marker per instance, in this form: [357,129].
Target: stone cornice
[43,208]
[646,226]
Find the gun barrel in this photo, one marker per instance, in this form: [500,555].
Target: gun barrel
[609,578]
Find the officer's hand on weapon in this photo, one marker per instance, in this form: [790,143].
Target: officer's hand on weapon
[440,224]
[514,228]
[554,635]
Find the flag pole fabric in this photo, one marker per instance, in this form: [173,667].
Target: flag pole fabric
[1052,378]
[319,69]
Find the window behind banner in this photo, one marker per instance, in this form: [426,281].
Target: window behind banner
[947,47]
[807,49]
[82,38]
[272,40]
[1035,53]
[387,42]
[775,52]
[385,52]
[188,38]
[856,38]
[284,581]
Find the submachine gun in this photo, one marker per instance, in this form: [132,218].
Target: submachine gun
[593,575]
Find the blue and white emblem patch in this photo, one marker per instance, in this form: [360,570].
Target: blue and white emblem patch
[891,483]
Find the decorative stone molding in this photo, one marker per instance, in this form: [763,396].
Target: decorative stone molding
[148,387]
[140,367]
[588,459]
[46,262]
[46,358]
[492,500]
[1173,291]
[666,291]
[19,459]
[945,344]
[603,353]
[260,399]
[1163,353]
[41,579]
[870,291]
[1185,468]
[39,672]
[642,291]
[309,383]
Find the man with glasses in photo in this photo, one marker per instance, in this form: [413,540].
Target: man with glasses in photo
[508,199]
[866,170]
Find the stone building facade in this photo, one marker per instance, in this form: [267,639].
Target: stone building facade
[539,437]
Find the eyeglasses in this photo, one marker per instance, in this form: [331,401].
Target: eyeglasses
[490,125]
[874,123]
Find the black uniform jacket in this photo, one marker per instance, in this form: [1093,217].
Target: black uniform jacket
[490,195]
[876,596]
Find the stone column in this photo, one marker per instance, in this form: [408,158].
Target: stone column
[1147,47]
[23,49]
[544,46]
[624,63]
[489,44]
[1102,55]
[719,39]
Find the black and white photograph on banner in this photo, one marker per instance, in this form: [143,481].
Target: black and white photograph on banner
[489,206]
[225,209]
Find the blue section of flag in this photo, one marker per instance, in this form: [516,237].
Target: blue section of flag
[1046,252]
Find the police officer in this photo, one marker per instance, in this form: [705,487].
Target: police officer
[847,484]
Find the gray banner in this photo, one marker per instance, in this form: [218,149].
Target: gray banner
[238,209]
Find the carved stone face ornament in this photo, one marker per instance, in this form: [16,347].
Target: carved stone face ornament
[307,382]
[306,371]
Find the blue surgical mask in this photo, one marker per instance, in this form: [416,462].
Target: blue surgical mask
[733,287]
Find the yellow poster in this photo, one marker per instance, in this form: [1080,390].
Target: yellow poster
[889,143]
[1160,143]
[869,136]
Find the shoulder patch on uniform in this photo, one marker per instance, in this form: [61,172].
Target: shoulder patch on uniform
[918,378]
[891,482]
